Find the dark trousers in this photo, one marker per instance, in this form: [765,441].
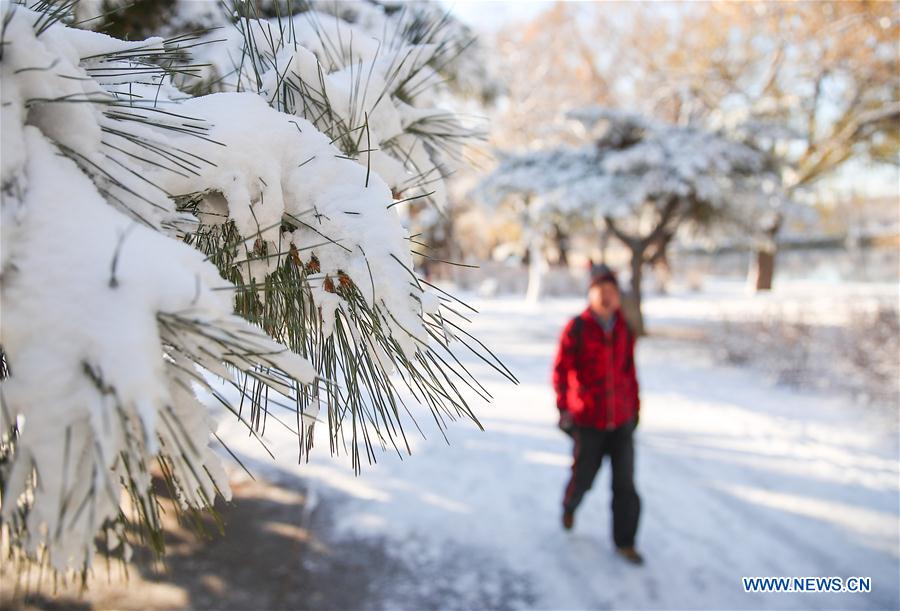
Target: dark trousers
[591,445]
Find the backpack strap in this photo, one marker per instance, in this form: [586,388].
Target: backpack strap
[576,331]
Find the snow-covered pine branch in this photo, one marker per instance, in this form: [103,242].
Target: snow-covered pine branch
[369,76]
[112,323]
[105,318]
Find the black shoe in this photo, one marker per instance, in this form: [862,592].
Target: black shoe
[568,519]
[631,555]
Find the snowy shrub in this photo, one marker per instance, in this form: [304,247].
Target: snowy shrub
[779,346]
[138,221]
[873,353]
[861,356]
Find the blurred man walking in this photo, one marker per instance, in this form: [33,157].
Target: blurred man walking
[597,397]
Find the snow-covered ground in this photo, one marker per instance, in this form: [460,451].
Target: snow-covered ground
[807,301]
[738,477]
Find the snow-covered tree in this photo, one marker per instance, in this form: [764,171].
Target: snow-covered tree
[158,246]
[824,73]
[642,180]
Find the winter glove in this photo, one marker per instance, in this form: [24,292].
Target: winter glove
[566,424]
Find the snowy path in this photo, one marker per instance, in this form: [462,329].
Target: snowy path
[738,478]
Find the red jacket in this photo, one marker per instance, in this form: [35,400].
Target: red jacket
[594,375]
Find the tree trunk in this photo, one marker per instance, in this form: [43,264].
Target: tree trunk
[536,235]
[631,301]
[561,241]
[632,304]
[638,246]
[762,270]
[535,272]
[765,269]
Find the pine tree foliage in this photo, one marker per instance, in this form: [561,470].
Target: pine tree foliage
[159,246]
[632,167]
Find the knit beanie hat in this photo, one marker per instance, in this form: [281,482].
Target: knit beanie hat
[600,273]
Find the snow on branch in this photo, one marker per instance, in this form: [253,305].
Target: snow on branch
[633,161]
[107,322]
[157,245]
[371,84]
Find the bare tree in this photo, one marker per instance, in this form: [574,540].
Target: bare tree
[825,71]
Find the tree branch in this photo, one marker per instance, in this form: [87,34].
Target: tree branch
[839,146]
[660,248]
[639,244]
[630,241]
[665,216]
